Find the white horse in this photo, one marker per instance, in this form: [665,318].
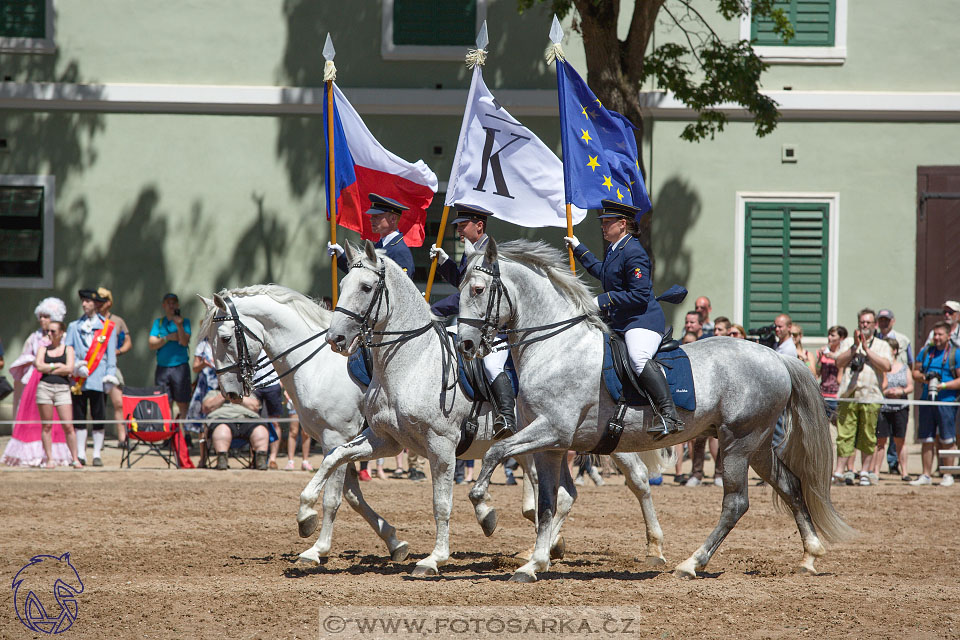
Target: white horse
[414,401]
[241,321]
[741,389]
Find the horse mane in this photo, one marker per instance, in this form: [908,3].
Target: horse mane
[313,313]
[552,263]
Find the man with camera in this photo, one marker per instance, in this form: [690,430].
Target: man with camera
[863,364]
[936,368]
[169,337]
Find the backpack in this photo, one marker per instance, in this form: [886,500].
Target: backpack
[147,416]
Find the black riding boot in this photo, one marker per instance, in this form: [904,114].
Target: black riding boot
[666,420]
[505,423]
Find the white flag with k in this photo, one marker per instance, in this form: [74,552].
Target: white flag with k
[503,167]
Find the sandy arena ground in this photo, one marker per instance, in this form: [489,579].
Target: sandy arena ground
[205,554]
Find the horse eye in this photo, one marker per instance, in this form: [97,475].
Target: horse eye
[366,288]
[477,291]
[226,339]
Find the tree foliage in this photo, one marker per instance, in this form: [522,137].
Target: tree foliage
[702,70]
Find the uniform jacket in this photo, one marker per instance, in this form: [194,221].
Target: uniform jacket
[397,250]
[80,337]
[453,274]
[627,299]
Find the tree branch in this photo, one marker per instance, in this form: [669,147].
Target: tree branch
[686,34]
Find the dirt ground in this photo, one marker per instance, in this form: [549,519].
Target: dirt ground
[206,554]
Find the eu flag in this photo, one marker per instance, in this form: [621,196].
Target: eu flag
[599,150]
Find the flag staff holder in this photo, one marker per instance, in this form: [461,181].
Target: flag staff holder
[329,75]
[475,57]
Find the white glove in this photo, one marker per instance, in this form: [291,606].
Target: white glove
[82,371]
[571,241]
[111,380]
[333,248]
[439,253]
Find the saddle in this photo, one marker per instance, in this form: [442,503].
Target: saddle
[625,389]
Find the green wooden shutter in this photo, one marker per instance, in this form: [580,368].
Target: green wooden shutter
[434,22]
[21,231]
[812,20]
[23,18]
[786,264]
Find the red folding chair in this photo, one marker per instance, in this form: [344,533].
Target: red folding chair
[146,413]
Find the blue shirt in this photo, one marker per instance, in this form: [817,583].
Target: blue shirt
[172,354]
[932,360]
[80,337]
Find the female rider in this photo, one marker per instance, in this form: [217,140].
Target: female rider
[629,304]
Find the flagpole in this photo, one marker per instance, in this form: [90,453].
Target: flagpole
[439,244]
[329,73]
[573,265]
[555,55]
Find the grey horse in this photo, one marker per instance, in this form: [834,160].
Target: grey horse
[741,390]
[414,401]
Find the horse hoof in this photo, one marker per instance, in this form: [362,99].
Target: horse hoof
[489,523]
[311,557]
[807,571]
[308,525]
[521,576]
[424,571]
[400,553]
[558,549]
[684,574]
[654,561]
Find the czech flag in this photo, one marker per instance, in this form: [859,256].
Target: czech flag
[364,166]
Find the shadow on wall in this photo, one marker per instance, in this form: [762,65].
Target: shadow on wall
[677,208]
[259,252]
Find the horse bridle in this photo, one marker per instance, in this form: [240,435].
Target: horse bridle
[245,367]
[490,325]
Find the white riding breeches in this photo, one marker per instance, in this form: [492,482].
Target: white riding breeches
[642,344]
[493,363]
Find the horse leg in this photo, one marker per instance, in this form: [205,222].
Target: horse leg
[549,477]
[441,469]
[787,485]
[332,495]
[366,446]
[735,504]
[529,504]
[399,550]
[638,481]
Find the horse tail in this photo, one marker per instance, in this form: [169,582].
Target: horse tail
[807,450]
[657,460]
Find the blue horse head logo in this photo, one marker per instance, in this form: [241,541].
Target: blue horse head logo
[32,587]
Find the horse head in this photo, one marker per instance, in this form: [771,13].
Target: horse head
[484,304]
[47,574]
[362,301]
[236,341]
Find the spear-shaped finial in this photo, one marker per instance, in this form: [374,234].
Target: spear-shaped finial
[476,57]
[329,70]
[554,49]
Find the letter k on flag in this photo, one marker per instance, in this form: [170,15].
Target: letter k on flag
[503,167]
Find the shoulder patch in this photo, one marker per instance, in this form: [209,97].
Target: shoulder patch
[637,274]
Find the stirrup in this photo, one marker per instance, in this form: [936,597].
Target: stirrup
[502,429]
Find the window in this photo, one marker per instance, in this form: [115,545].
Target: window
[821,33]
[26,231]
[430,29]
[787,261]
[26,26]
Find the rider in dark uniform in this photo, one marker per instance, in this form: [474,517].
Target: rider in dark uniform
[471,224]
[384,218]
[629,304]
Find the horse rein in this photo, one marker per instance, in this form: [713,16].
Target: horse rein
[245,366]
[490,329]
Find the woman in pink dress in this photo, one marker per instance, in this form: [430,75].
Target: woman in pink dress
[25,448]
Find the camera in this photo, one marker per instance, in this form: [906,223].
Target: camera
[176,312]
[857,362]
[933,384]
[767,336]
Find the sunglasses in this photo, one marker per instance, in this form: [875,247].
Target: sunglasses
[51,332]
[733,333]
[949,312]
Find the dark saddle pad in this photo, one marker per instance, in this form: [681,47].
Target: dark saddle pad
[469,372]
[616,365]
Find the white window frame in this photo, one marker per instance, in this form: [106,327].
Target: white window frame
[831,199]
[787,54]
[45,281]
[391,51]
[34,45]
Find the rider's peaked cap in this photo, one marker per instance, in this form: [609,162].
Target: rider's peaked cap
[379,204]
[615,209]
[470,212]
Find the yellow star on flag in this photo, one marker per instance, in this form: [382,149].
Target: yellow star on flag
[583,110]
[607,183]
[586,136]
[593,164]
[598,102]
[619,195]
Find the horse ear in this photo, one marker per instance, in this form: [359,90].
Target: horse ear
[348,252]
[491,253]
[207,302]
[219,303]
[65,557]
[371,251]
[468,249]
